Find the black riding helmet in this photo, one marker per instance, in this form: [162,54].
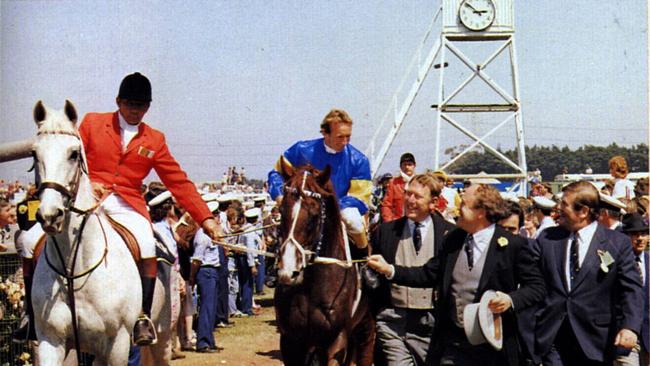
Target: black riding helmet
[135,87]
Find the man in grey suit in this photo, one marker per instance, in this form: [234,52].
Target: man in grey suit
[594,295]
[405,314]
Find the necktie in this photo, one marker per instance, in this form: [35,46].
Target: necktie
[417,237]
[638,266]
[469,250]
[574,261]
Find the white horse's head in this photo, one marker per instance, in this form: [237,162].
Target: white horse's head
[58,159]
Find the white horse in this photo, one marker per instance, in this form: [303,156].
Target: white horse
[81,244]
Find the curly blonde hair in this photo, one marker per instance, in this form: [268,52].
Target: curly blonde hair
[618,167]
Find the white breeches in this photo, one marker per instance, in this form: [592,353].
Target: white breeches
[26,240]
[354,222]
[137,224]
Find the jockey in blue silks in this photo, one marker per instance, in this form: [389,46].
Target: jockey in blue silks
[350,172]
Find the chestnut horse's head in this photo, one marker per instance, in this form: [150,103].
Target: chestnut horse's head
[309,200]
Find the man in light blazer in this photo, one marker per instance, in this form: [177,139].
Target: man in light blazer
[405,315]
[594,298]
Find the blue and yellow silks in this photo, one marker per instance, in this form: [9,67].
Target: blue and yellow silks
[350,171]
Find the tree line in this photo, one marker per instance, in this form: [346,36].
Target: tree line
[552,160]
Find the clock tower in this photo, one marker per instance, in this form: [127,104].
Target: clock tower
[478,90]
[487,25]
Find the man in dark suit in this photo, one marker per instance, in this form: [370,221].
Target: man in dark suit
[594,299]
[637,230]
[405,314]
[477,257]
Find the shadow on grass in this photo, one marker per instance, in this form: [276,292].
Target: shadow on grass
[265,302]
[271,322]
[274,355]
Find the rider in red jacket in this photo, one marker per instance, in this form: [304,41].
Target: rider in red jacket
[121,150]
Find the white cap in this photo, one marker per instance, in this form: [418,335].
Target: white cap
[212,196]
[510,196]
[160,198]
[228,197]
[213,206]
[610,202]
[253,212]
[259,198]
[481,325]
[543,202]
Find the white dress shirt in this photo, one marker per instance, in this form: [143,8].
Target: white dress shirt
[424,226]
[481,241]
[128,131]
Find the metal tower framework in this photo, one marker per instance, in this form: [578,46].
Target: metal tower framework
[501,36]
[511,106]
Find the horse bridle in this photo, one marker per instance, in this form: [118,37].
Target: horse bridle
[321,222]
[68,191]
[315,257]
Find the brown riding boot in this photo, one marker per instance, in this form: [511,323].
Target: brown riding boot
[27,331]
[360,240]
[144,332]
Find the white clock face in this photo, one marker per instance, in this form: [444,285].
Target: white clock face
[476,15]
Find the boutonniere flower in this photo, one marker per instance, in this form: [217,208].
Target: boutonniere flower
[606,260]
[502,241]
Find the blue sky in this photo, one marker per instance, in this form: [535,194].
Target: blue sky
[235,83]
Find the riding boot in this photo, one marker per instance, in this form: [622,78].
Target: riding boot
[360,240]
[27,331]
[144,332]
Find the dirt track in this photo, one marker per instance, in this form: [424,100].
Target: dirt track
[253,341]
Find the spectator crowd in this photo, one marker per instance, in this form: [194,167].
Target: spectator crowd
[432,244]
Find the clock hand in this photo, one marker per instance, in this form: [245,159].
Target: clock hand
[470,5]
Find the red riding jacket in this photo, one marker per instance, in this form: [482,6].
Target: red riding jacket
[123,172]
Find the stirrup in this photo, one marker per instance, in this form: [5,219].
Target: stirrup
[144,339]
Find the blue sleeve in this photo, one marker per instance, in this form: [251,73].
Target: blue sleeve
[275,184]
[360,184]
[293,157]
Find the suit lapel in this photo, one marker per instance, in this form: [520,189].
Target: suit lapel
[458,240]
[439,232]
[560,261]
[591,261]
[113,130]
[490,262]
[398,232]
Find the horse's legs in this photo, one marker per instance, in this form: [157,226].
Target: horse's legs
[363,342]
[293,352]
[50,354]
[337,350]
[118,352]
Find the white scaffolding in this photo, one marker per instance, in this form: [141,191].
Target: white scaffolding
[500,36]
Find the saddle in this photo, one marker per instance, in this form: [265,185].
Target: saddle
[162,253]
